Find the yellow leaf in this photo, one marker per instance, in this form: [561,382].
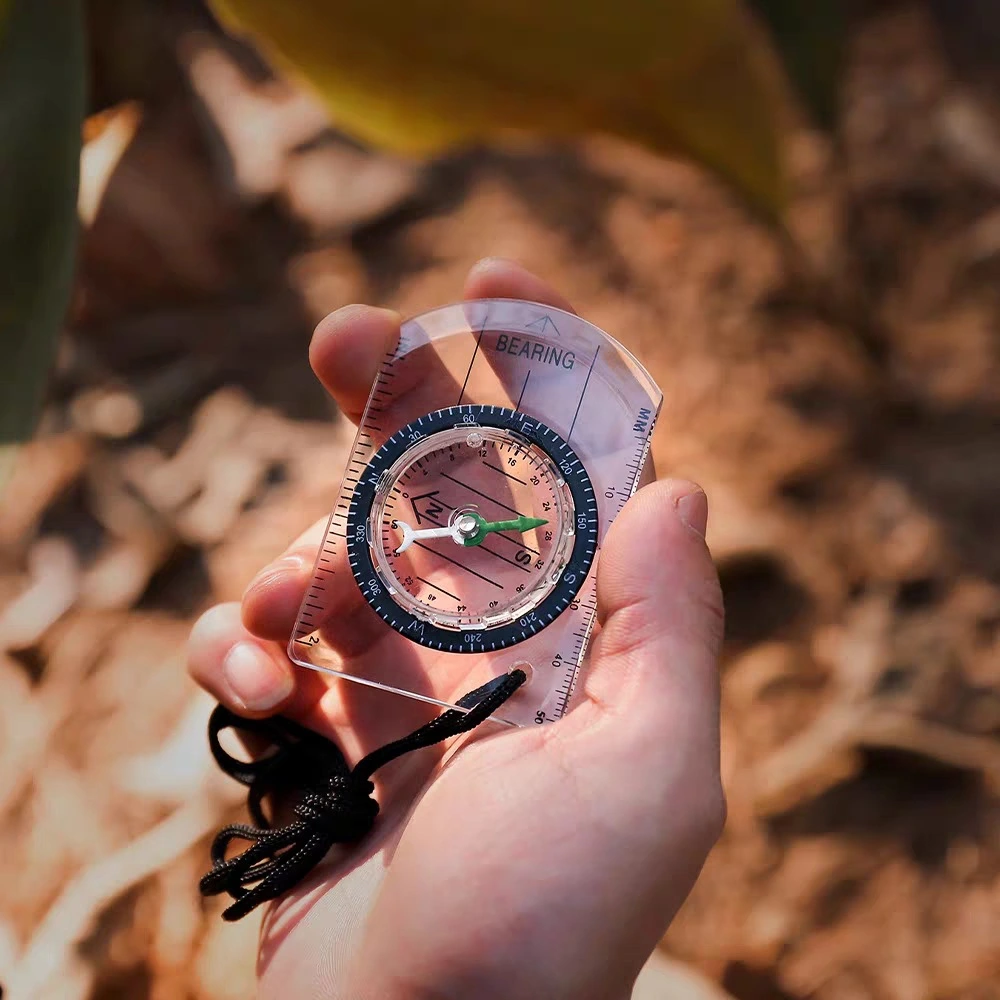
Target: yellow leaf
[686,76]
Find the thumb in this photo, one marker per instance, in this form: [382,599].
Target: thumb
[644,743]
[654,663]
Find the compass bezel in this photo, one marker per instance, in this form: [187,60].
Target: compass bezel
[502,636]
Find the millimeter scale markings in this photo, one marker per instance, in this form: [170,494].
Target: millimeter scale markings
[587,612]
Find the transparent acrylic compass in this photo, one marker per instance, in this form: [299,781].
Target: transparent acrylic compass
[500,441]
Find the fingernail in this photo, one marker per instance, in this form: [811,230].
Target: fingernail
[693,510]
[254,679]
[291,563]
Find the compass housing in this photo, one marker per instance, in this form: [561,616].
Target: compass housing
[527,596]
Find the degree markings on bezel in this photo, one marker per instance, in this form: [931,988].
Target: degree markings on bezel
[560,593]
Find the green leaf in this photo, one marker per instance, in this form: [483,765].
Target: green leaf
[678,76]
[811,36]
[41,111]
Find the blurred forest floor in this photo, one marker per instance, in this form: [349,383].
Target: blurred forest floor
[847,431]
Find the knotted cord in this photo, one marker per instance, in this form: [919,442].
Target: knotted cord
[332,803]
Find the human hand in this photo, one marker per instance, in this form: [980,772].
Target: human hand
[532,863]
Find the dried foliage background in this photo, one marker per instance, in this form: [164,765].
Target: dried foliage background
[847,430]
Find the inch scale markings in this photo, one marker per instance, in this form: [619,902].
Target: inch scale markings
[308,623]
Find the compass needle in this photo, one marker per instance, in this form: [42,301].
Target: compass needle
[518,524]
[410,535]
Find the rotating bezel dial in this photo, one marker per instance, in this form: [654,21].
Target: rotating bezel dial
[424,604]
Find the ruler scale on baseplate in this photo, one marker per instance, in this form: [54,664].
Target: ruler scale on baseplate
[500,441]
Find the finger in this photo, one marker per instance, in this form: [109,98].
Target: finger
[255,679]
[653,676]
[346,350]
[644,743]
[244,673]
[347,353]
[272,600]
[349,345]
[658,598]
[499,278]
[447,372]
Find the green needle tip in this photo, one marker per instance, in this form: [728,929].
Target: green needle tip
[527,523]
[488,527]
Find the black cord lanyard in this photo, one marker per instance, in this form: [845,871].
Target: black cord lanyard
[334,804]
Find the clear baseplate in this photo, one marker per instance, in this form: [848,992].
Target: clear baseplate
[500,441]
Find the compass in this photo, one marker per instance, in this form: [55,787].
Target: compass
[500,441]
[473,528]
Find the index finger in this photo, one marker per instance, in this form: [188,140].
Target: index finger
[349,346]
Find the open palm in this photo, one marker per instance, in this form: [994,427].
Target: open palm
[533,863]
